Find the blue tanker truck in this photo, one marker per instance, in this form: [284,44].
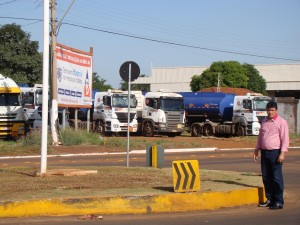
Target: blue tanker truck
[220,114]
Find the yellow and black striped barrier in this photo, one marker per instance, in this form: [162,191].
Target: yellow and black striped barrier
[186,176]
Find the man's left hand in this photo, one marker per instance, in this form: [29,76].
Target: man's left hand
[281,157]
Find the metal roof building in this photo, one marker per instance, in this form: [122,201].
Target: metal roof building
[283,80]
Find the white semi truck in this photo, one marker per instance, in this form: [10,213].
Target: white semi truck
[12,117]
[111,112]
[32,99]
[161,113]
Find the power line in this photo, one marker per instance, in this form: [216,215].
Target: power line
[20,18]
[5,3]
[162,41]
[189,32]
[179,44]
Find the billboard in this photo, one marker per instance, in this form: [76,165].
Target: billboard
[74,77]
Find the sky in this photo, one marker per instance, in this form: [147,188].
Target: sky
[167,33]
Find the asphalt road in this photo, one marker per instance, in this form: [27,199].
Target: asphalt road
[219,160]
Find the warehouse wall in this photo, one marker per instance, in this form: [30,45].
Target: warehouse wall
[289,109]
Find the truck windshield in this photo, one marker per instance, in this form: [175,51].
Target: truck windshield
[122,101]
[10,100]
[171,104]
[28,98]
[260,104]
[39,97]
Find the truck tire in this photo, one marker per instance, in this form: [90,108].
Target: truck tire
[240,130]
[208,130]
[99,127]
[196,130]
[148,130]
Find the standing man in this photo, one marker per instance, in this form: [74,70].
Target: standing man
[273,143]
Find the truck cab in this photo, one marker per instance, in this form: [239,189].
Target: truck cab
[32,100]
[12,117]
[111,112]
[163,113]
[249,111]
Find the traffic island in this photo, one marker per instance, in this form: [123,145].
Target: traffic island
[121,190]
[133,204]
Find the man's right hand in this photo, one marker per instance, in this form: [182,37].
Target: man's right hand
[255,155]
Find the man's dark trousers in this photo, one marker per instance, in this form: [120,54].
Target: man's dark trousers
[272,176]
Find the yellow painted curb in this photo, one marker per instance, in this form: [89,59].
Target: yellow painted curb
[133,205]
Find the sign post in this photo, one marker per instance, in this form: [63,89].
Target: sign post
[128,115]
[129,71]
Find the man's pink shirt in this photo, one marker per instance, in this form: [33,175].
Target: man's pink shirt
[273,134]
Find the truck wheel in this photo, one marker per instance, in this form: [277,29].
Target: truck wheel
[196,130]
[240,130]
[208,130]
[99,127]
[148,130]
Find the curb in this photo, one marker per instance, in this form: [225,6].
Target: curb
[177,202]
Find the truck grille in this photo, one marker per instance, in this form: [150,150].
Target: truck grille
[6,128]
[7,116]
[173,119]
[123,117]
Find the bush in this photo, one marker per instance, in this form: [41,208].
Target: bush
[71,137]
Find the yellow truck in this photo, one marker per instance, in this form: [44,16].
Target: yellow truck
[12,117]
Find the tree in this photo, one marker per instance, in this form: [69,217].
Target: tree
[99,83]
[135,87]
[196,83]
[232,74]
[255,81]
[19,57]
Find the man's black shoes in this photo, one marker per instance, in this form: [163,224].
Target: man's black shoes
[276,206]
[268,203]
[271,205]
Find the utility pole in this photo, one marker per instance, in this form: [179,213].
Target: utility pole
[54,109]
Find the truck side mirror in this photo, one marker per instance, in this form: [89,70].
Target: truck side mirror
[247,104]
[155,104]
[21,99]
[106,100]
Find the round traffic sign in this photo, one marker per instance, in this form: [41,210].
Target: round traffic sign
[124,71]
